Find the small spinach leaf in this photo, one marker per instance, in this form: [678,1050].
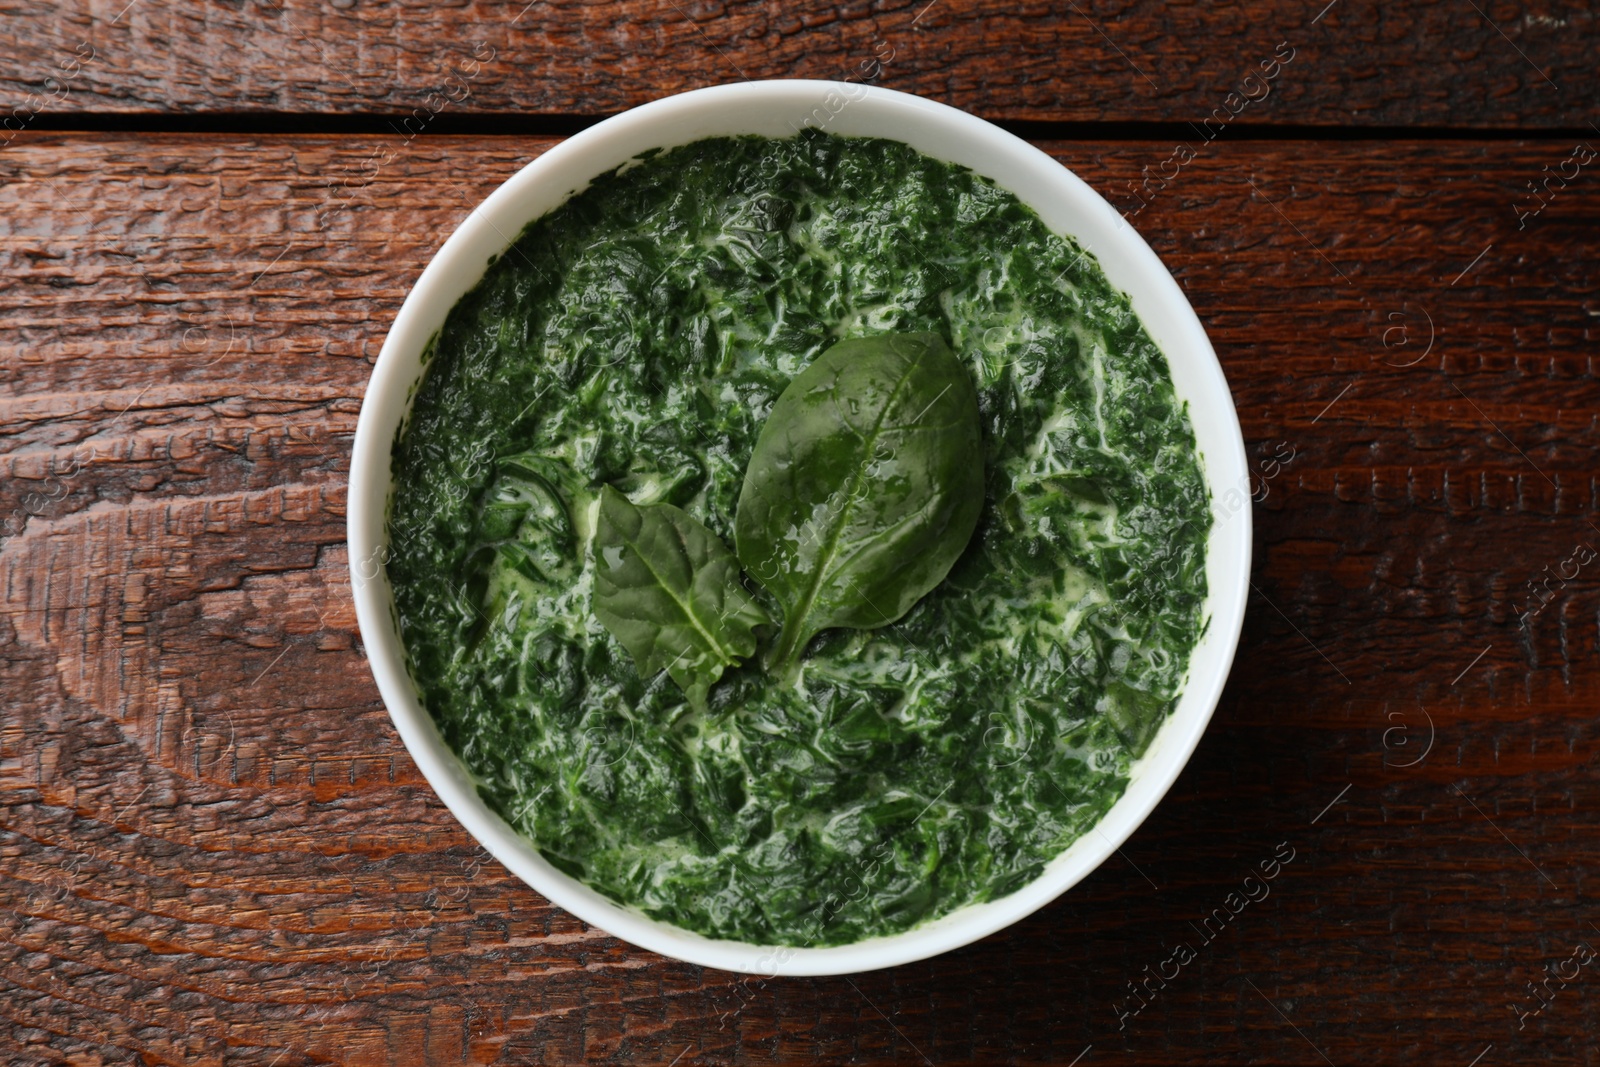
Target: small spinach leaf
[864,487]
[668,589]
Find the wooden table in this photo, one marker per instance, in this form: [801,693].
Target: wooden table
[215,849]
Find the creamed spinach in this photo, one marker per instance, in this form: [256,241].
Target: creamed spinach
[626,352]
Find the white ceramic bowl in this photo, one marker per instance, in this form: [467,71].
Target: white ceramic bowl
[779,108]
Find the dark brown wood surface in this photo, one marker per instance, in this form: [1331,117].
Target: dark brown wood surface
[1457,63]
[213,846]
[216,849]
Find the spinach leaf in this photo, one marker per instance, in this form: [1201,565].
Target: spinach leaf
[864,487]
[668,589]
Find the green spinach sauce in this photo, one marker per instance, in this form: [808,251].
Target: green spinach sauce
[637,338]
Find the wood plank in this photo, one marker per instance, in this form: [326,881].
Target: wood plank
[1488,63]
[216,850]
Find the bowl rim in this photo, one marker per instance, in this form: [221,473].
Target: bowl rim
[856,110]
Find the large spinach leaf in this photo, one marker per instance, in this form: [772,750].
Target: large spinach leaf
[668,589]
[864,487]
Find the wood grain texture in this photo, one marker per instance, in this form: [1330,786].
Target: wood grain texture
[215,849]
[1484,63]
